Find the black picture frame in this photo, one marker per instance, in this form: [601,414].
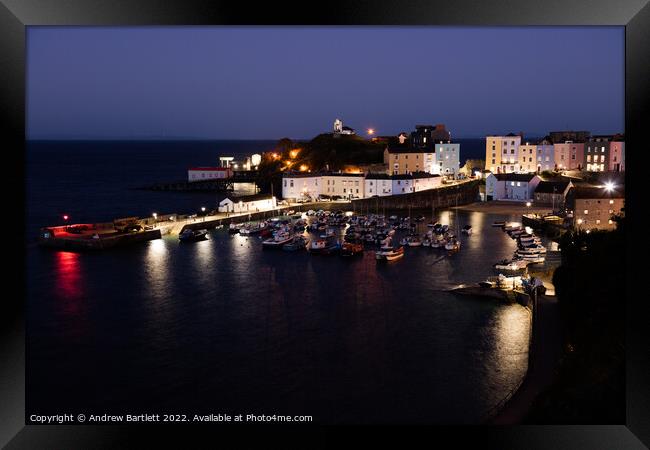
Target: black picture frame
[15,15]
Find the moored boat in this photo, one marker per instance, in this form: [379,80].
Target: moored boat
[351,249]
[277,241]
[390,255]
[297,243]
[189,235]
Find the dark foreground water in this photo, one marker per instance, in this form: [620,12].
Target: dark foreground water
[222,326]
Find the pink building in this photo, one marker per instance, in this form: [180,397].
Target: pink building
[569,155]
[617,156]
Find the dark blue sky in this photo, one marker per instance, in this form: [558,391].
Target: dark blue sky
[272,82]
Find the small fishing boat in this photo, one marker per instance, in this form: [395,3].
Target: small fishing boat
[233,228]
[467,229]
[189,235]
[413,241]
[298,243]
[390,255]
[453,245]
[277,241]
[351,249]
[532,250]
[323,246]
[512,265]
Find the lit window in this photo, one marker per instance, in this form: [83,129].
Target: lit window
[611,202]
[518,183]
[597,221]
[610,221]
[586,211]
[512,183]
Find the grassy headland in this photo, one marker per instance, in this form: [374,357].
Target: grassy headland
[324,152]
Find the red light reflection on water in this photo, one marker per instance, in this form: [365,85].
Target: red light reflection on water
[68,277]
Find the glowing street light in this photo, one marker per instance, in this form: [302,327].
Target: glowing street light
[303,167]
[203,211]
[65,217]
[609,186]
[371,131]
[528,204]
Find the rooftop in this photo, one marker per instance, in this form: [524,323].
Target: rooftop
[548,187]
[248,198]
[514,176]
[598,192]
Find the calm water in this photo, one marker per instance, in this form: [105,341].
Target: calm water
[222,326]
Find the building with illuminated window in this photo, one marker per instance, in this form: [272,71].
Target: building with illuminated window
[569,155]
[594,206]
[511,186]
[502,153]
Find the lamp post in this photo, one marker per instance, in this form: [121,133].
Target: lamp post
[203,211]
[155,219]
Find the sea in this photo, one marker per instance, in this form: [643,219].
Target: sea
[224,327]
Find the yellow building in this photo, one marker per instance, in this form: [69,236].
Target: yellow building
[528,157]
[406,160]
[502,153]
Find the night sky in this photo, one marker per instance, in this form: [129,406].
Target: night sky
[272,82]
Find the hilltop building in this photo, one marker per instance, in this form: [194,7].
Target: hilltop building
[340,129]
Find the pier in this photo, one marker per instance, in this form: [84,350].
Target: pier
[100,236]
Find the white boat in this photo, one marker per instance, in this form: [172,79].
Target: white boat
[534,259]
[467,229]
[413,241]
[390,255]
[453,245]
[532,250]
[512,265]
[278,240]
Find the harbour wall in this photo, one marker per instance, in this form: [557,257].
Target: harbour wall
[444,197]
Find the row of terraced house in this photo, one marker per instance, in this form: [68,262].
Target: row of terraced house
[559,151]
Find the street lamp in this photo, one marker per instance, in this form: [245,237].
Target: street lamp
[609,186]
[203,211]
[155,219]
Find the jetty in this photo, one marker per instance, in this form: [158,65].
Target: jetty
[133,230]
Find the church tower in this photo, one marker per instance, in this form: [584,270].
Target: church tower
[338,126]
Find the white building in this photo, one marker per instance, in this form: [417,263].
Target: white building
[247,204]
[511,186]
[301,186]
[344,185]
[340,129]
[378,184]
[447,158]
[208,173]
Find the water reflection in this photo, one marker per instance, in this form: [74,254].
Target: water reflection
[157,269]
[68,280]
